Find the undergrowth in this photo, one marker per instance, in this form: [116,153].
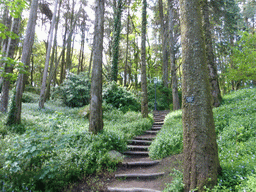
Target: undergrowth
[235,123]
[56,149]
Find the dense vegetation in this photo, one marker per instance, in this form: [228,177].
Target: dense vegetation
[52,147]
[236,131]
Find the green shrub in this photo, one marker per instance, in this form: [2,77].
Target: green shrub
[31,89]
[28,97]
[74,91]
[120,98]
[169,139]
[177,182]
[163,97]
[56,149]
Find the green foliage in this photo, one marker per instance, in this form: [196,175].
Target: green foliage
[120,98]
[236,128]
[163,96]
[74,91]
[28,97]
[244,59]
[169,139]
[177,182]
[57,149]
[235,124]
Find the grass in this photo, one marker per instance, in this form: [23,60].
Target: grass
[235,123]
[53,148]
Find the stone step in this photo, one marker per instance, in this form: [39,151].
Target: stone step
[145,137]
[156,128]
[136,153]
[116,189]
[151,132]
[138,147]
[140,163]
[158,123]
[139,175]
[140,142]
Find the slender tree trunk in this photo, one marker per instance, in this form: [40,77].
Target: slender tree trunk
[53,57]
[96,115]
[215,89]
[127,43]
[43,87]
[32,70]
[200,150]
[175,94]
[14,116]
[164,44]
[144,102]
[115,47]
[136,60]
[63,63]
[8,69]
[90,62]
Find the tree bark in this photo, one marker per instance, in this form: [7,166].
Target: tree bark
[14,116]
[215,89]
[175,94]
[144,102]
[115,47]
[8,69]
[96,115]
[42,93]
[164,44]
[201,163]
[127,43]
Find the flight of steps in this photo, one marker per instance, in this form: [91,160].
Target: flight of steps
[138,158]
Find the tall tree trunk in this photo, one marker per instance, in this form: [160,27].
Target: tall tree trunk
[63,63]
[215,89]
[53,57]
[127,43]
[96,115]
[175,94]
[6,20]
[8,69]
[200,150]
[47,60]
[69,41]
[14,116]
[115,47]
[164,44]
[32,70]
[90,62]
[144,102]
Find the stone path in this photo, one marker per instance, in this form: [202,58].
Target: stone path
[138,172]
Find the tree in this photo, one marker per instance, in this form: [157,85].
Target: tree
[144,102]
[201,163]
[116,38]
[96,115]
[8,69]
[47,60]
[164,36]
[14,116]
[175,94]
[215,89]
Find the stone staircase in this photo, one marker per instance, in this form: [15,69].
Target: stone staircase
[137,165]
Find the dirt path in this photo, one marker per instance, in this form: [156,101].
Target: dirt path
[138,172]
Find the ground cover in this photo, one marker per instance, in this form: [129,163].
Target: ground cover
[235,122]
[53,148]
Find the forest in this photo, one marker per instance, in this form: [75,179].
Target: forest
[79,79]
